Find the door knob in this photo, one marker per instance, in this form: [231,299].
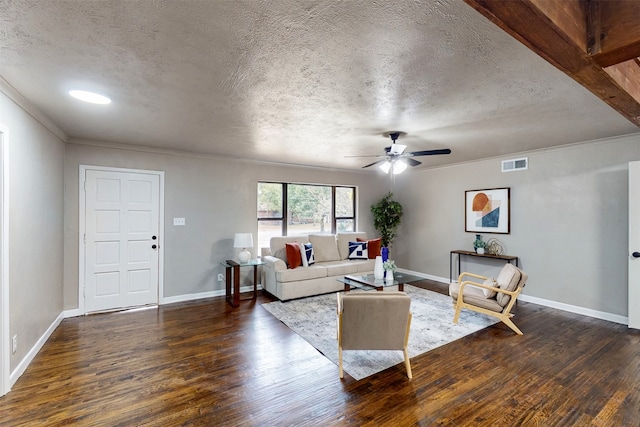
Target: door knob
[636,254]
[153,246]
[153,237]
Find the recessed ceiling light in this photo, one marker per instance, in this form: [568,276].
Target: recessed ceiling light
[85,96]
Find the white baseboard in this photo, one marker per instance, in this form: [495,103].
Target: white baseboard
[201,295]
[545,302]
[28,358]
[575,309]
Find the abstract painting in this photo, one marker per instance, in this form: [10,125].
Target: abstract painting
[487,211]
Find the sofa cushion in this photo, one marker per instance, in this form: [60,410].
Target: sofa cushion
[374,247]
[277,245]
[293,254]
[343,239]
[324,247]
[358,250]
[341,268]
[303,273]
[474,296]
[508,280]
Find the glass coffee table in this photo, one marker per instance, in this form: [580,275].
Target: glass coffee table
[369,282]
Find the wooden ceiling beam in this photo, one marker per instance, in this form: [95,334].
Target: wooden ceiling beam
[559,32]
[618,34]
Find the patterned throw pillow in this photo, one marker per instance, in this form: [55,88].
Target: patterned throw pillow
[358,250]
[308,258]
[373,246]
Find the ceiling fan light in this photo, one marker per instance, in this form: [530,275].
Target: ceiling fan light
[399,167]
[385,166]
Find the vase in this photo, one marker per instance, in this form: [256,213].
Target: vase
[480,251]
[385,253]
[378,271]
[389,277]
[478,243]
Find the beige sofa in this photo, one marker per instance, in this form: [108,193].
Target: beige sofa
[331,262]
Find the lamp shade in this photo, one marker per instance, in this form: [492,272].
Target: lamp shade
[243,240]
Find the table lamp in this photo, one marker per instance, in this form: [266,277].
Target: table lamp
[244,241]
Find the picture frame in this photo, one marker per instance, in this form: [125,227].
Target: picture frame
[488,211]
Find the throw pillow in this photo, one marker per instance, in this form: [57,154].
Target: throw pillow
[373,247]
[358,250]
[303,257]
[490,293]
[293,254]
[308,257]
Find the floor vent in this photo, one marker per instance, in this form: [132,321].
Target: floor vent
[515,164]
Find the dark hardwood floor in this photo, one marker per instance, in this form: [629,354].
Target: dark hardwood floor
[205,363]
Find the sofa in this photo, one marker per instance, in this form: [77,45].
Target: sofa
[332,261]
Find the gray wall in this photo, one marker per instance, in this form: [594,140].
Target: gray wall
[568,221]
[216,196]
[36,163]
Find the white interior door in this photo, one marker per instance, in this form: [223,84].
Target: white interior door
[634,245]
[121,239]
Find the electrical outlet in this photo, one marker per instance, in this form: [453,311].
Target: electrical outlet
[220,277]
[14,344]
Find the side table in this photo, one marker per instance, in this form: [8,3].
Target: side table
[232,274]
[462,253]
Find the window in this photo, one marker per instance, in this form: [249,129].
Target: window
[291,209]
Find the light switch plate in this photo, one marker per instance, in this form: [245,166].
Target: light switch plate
[179,221]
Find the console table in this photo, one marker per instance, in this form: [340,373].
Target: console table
[462,253]
[233,272]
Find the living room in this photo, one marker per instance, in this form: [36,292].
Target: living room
[569,216]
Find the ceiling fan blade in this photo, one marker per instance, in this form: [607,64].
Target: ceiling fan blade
[431,152]
[373,155]
[375,163]
[413,162]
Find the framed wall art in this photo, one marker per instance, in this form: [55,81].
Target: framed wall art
[487,211]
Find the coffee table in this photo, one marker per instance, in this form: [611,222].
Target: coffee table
[369,282]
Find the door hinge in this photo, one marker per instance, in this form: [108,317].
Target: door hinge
[85,239]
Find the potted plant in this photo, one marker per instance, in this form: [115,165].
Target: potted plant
[387,215]
[389,268]
[479,244]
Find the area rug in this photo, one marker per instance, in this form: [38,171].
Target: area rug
[314,319]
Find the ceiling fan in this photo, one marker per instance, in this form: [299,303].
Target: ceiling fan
[396,159]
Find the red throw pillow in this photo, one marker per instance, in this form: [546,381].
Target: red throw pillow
[373,246]
[293,255]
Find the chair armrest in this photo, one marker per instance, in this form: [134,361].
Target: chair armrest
[477,276]
[493,288]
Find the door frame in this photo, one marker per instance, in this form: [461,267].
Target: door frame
[5,348]
[633,318]
[82,227]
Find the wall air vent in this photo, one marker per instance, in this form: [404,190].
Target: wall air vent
[515,164]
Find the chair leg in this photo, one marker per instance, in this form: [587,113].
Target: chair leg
[340,361]
[456,316]
[510,324]
[407,363]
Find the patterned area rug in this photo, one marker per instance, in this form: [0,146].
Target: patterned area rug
[314,319]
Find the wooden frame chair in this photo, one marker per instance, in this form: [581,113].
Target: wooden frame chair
[495,298]
[374,321]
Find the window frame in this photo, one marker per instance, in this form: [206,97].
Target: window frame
[334,218]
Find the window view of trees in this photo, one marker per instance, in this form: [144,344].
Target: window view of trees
[290,209]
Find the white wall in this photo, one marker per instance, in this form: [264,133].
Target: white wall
[218,197]
[568,221]
[35,228]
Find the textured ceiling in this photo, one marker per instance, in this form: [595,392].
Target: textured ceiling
[294,82]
